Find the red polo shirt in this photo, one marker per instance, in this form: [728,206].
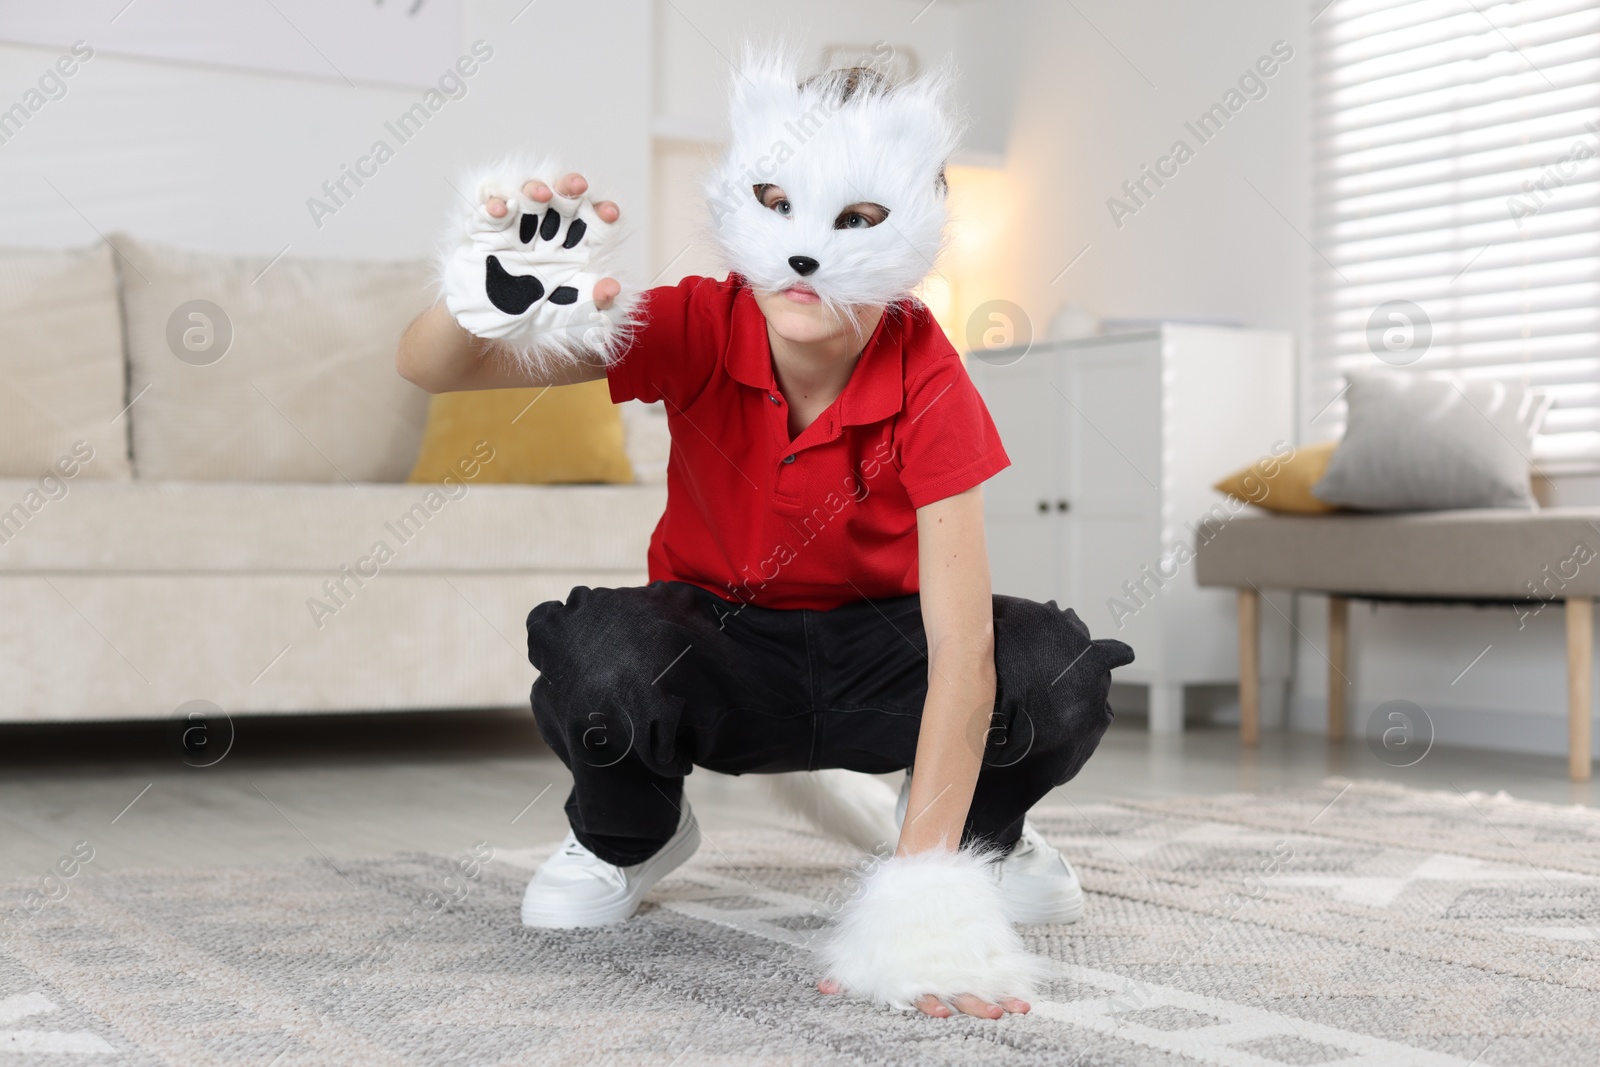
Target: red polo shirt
[822,519]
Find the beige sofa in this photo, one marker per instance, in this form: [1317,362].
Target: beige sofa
[205,501]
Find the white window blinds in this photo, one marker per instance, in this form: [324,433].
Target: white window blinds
[1457,171]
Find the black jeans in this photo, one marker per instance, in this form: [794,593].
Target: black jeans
[638,686]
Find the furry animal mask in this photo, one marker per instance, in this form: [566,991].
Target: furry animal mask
[839,140]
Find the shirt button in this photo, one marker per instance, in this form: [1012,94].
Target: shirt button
[772,398]
[789,458]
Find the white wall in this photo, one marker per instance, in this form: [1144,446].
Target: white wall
[1086,119]
[224,160]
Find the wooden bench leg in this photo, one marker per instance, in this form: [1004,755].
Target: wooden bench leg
[1580,683]
[1249,667]
[1338,665]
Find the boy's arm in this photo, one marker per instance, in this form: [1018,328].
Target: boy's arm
[958,618]
[439,355]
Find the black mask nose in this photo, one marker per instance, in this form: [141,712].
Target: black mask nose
[802,265]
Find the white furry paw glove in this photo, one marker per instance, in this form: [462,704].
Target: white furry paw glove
[931,922]
[526,281]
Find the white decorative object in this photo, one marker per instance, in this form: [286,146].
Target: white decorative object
[1071,322]
[1115,443]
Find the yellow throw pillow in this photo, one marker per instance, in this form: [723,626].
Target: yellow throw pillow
[563,434]
[1283,484]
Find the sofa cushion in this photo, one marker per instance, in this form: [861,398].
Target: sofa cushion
[1283,485]
[1489,554]
[316,529]
[571,434]
[285,374]
[1431,442]
[61,368]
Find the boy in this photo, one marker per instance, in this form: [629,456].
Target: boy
[819,590]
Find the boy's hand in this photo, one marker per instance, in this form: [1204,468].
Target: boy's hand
[573,185]
[928,931]
[965,1003]
[527,269]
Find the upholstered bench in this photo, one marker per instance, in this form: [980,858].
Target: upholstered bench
[1465,557]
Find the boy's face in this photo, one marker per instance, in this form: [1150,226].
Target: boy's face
[826,203]
[795,312]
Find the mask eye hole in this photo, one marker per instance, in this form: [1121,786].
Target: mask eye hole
[862,216]
[771,196]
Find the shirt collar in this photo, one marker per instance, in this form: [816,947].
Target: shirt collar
[876,389]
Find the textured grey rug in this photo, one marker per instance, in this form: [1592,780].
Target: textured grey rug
[1344,924]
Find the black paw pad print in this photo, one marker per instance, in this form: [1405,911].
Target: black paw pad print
[516,293]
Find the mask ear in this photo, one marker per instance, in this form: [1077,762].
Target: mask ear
[765,94]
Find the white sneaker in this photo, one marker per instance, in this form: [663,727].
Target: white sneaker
[575,887]
[1037,883]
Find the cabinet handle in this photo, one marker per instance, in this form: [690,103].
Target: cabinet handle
[1062,505]
[1044,507]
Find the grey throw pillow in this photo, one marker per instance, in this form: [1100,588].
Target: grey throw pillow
[1427,442]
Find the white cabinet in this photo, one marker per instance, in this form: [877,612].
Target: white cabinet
[1115,443]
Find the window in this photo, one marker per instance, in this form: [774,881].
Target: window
[1457,201]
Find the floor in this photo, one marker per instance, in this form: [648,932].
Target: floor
[294,787]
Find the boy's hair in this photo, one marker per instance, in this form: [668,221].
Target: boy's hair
[846,82]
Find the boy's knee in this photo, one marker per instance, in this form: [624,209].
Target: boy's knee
[602,637]
[594,711]
[1053,672]
[1038,648]
[600,655]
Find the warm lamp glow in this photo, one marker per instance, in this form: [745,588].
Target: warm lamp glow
[936,292]
[978,201]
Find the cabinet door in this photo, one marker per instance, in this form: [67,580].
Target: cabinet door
[1113,441]
[1112,468]
[1022,522]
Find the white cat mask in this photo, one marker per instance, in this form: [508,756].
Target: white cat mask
[885,145]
